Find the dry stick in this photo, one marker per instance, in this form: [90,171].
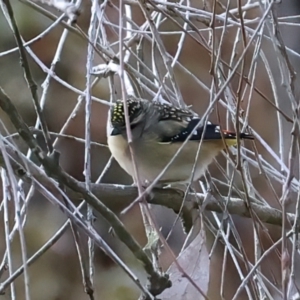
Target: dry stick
[6,196]
[87,149]
[225,255]
[295,229]
[120,196]
[147,218]
[82,257]
[218,73]
[239,163]
[237,120]
[86,280]
[9,15]
[286,187]
[22,213]
[8,12]
[136,176]
[255,229]
[57,135]
[161,48]
[227,93]
[28,77]
[16,195]
[79,247]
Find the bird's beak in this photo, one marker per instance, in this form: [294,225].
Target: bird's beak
[115,131]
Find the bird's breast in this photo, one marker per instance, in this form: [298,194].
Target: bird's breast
[119,148]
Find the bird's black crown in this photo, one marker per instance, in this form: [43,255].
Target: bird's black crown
[118,113]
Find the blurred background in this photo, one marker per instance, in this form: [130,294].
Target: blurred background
[56,275]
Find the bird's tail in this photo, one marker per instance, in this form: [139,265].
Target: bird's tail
[230,137]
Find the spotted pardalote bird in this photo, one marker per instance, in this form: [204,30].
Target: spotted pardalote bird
[158,131]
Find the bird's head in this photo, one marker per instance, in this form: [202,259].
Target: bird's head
[137,112]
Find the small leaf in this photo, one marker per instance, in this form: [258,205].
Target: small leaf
[195,262]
